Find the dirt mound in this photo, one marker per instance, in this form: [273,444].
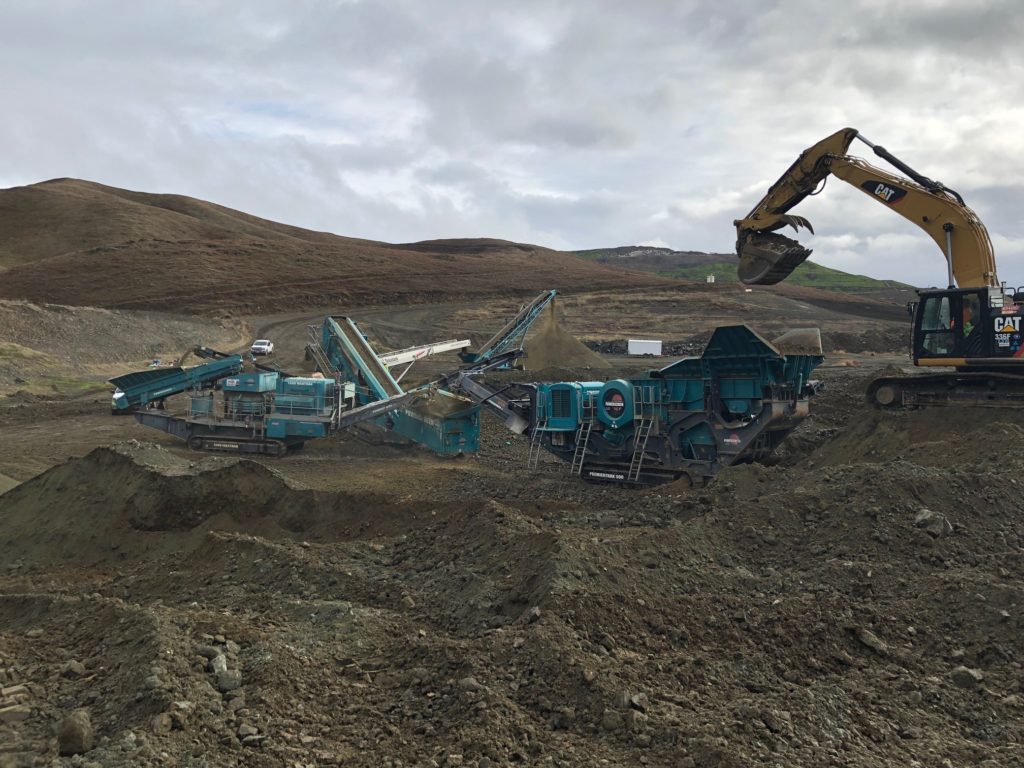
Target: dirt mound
[947,438]
[551,346]
[471,542]
[89,336]
[875,340]
[123,508]
[79,243]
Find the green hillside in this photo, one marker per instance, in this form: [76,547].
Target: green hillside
[695,265]
[807,273]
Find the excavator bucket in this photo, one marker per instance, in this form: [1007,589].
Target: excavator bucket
[766,258]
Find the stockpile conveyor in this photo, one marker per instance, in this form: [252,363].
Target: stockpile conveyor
[410,356]
[513,333]
[141,388]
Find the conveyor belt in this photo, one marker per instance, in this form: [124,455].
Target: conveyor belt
[365,360]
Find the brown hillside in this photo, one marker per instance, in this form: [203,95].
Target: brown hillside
[75,242]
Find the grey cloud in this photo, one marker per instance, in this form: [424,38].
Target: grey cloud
[455,172]
[569,125]
[987,31]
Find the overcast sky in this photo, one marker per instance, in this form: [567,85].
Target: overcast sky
[566,124]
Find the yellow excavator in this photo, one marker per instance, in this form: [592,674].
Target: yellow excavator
[973,325]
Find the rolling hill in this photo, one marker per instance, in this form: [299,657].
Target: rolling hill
[75,242]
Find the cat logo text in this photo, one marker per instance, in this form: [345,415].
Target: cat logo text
[1005,328]
[1008,324]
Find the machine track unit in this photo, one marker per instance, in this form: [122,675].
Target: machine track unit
[992,389]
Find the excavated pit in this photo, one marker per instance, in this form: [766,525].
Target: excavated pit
[856,603]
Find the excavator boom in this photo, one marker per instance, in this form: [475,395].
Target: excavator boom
[767,257]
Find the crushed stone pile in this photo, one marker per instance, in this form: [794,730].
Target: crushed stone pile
[551,346]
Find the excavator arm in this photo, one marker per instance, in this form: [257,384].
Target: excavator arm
[767,257]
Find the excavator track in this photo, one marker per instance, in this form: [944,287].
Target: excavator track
[767,258]
[985,389]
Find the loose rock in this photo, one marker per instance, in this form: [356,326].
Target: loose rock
[73,669]
[162,724]
[75,734]
[15,713]
[229,680]
[245,729]
[470,684]
[965,677]
[612,720]
[933,523]
[870,640]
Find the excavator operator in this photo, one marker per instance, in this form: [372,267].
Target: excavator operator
[970,314]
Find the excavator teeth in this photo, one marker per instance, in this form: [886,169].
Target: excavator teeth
[798,221]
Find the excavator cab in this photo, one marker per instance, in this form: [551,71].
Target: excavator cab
[967,328]
[934,332]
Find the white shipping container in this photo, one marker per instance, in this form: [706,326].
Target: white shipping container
[644,347]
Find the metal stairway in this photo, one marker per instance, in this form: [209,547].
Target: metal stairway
[536,444]
[643,431]
[582,438]
[646,404]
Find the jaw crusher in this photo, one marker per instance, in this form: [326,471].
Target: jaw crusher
[734,403]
